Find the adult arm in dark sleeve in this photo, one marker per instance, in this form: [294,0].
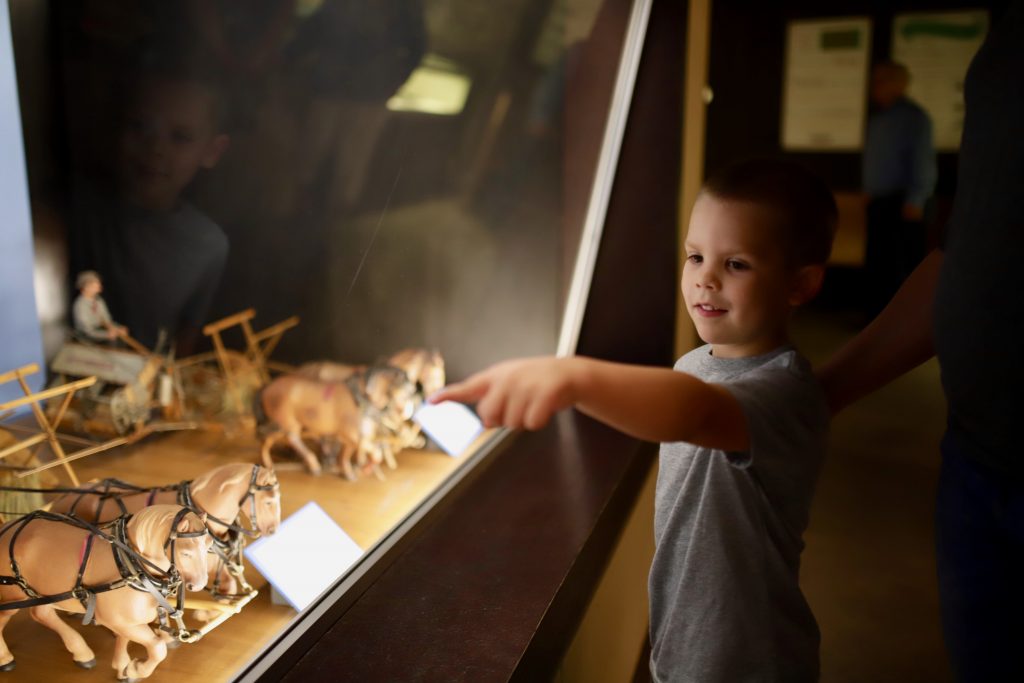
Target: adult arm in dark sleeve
[895,342]
[923,165]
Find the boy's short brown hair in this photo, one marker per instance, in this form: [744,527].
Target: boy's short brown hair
[154,70]
[802,202]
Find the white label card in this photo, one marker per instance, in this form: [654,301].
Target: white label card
[451,425]
[305,557]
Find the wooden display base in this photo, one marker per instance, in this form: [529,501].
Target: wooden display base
[366,509]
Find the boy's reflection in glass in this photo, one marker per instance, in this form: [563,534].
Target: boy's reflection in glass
[160,256]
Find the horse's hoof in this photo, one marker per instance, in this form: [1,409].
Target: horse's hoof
[91,664]
[122,676]
[9,666]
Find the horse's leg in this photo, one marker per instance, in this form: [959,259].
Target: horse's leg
[371,456]
[308,456]
[121,659]
[167,639]
[73,641]
[268,443]
[347,451]
[389,456]
[6,657]
[414,437]
[228,581]
[156,650]
[330,447]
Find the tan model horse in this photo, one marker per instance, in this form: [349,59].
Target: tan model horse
[222,493]
[325,410]
[50,554]
[355,416]
[425,370]
[423,367]
[393,401]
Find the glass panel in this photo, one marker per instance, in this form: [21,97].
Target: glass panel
[252,187]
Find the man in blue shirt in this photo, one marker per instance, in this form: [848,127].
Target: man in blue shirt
[899,173]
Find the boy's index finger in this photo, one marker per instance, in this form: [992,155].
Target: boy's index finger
[469,390]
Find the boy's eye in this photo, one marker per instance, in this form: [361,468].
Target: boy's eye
[182,136]
[737,265]
[695,258]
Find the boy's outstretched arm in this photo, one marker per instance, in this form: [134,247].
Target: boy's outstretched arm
[655,404]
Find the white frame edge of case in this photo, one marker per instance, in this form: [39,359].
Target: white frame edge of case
[604,177]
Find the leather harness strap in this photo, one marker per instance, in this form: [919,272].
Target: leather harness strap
[131,566]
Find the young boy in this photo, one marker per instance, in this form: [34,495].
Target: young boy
[162,256]
[744,424]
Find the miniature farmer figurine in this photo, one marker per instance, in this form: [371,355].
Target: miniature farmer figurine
[90,314]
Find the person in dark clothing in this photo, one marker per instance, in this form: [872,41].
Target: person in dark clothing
[964,304]
[899,173]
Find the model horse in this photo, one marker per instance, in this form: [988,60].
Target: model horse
[425,369]
[395,402]
[126,574]
[222,494]
[354,416]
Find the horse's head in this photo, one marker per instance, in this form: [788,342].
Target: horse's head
[191,547]
[424,367]
[432,379]
[170,533]
[267,502]
[240,486]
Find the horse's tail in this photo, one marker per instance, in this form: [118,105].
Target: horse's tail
[258,413]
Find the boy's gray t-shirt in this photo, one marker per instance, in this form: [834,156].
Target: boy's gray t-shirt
[725,598]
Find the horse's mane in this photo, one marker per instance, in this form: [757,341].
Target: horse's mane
[266,476]
[241,472]
[150,527]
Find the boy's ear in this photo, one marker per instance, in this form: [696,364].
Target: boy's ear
[806,284]
[215,149]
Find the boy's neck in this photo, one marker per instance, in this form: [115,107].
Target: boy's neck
[751,349]
[161,205]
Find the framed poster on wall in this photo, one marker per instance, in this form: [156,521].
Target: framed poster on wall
[937,48]
[825,81]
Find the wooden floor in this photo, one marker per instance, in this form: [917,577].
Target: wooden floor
[869,567]
[365,509]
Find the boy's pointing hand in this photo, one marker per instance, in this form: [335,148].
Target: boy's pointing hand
[522,393]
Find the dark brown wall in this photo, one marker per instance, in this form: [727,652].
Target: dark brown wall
[746,74]
[630,315]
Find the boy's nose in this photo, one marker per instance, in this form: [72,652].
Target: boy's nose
[708,280]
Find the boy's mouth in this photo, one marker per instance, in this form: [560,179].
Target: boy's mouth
[709,311]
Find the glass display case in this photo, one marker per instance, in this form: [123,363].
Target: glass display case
[262,233]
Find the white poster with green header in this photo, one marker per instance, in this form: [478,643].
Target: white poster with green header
[823,105]
[937,48]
